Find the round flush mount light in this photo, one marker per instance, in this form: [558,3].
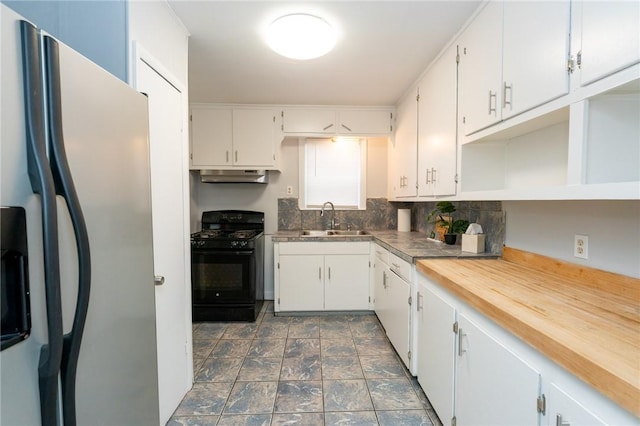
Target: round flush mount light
[301,36]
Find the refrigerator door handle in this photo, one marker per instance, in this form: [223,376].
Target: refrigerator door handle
[42,183]
[65,187]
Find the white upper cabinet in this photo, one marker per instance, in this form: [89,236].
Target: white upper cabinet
[513,58]
[437,128]
[232,137]
[480,69]
[211,137]
[309,121]
[403,151]
[254,134]
[606,37]
[329,121]
[535,54]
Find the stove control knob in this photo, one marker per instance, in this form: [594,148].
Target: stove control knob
[200,243]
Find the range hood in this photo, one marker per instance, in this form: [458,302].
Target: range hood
[234,176]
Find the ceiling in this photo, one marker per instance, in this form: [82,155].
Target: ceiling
[383,47]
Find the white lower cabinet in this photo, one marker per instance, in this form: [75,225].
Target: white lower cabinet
[564,410]
[436,350]
[477,372]
[494,386]
[321,276]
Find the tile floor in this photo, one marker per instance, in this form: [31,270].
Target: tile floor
[302,370]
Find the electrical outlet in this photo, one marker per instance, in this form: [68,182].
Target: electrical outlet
[581,246]
[289,190]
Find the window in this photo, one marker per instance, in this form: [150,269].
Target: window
[333,170]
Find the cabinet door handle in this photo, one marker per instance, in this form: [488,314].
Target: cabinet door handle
[460,350]
[346,127]
[492,107]
[506,87]
[227,153]
[428,171]
[560,421]
[236,155]
[384,279]
[419,306]
[327,127]
[329,275]
[433,175]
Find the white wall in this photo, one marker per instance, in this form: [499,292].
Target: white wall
[548,228]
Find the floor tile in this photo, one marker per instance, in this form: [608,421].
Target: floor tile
[304,331]
[299,347]
[231,348]
[301,368]
[251,398]
[194,421]
[301,419]
[393,394]
[204,399]
[219,370]
[337,330]
[341,368]
[208,330]
[268,348]
[273,330]
[260,369]
[346,395]
[299,396]
[337,347]
[352,418]
[403,417]
[202,348]
[373,346]
[386,366]
[245,420]
[240,331]
[366,329]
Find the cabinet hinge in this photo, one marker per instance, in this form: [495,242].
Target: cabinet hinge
[579,59]
[453,421]
[191,155]
[464,120]
[274,118]
[542,404]
[457,54]
[282,114]
[418,97]
[410,300]
[409,354]
[369,299]
[369,264]
[190,117]
[455,178]
[455,327]
[570,65]
[278,300]
[278,265]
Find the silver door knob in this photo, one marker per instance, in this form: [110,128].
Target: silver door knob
[158,280]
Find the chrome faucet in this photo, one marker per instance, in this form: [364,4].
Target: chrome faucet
[333,213]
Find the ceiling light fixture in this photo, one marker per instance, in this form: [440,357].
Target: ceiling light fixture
[301,36]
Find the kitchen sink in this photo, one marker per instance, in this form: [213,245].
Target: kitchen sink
[332,233]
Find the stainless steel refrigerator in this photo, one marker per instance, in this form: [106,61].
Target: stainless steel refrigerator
[75,159]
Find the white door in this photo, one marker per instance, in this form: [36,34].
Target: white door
[167,194]
[436,350]
[493,385]
[301,283]
[346,285]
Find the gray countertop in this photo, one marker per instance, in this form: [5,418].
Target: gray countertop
[409,246]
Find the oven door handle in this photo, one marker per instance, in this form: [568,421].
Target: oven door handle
[224,252]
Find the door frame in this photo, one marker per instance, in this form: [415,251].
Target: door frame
[140,54]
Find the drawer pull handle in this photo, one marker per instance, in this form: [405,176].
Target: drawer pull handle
[460,350]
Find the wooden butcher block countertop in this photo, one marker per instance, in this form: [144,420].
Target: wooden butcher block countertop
[584,319]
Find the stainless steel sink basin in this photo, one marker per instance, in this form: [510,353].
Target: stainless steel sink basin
[332,233]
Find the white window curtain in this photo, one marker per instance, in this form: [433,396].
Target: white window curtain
[334,170]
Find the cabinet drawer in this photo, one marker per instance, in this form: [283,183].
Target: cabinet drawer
[400,267]
[331,247]
[381,254]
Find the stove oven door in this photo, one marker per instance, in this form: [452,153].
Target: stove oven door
[223,277]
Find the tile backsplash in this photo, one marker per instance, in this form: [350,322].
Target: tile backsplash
[382,214]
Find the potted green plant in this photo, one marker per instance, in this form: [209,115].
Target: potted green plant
[442,215]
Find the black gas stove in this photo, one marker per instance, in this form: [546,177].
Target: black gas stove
[227,266]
